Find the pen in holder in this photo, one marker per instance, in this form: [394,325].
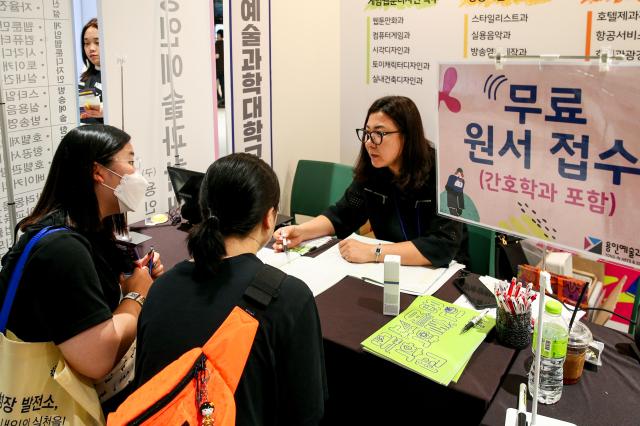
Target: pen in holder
[513,330]
[513,316]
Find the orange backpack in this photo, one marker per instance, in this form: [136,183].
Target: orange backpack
[198,388]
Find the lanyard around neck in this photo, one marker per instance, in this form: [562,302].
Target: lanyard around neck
[402,227]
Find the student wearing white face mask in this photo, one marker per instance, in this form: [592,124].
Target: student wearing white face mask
[73,290]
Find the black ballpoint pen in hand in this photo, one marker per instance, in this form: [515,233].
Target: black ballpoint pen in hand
[150,262]
[468,326]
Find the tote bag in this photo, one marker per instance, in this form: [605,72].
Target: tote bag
[37,387]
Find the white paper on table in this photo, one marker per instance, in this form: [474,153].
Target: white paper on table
[489,282]
[277,260]
[317,277]
[418,280]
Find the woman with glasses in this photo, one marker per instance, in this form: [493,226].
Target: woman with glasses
[394,188]
[78,289]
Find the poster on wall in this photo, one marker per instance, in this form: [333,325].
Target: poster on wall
[543,151]
[391,47]
[250,106]
[162,95]
[40,90]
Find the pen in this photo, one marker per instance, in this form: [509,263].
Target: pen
[468,326]
[371,280]
[150,264]
[285,244]
[522,405]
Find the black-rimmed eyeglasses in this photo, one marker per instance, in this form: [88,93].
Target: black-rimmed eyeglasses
[375,136]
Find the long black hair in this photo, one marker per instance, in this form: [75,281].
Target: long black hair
[91,69]
[236,192]
[70,186]
[418,155]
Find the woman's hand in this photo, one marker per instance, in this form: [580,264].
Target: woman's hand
[158,267]
[291,233]
[140,281]
[357,252]
[91,111]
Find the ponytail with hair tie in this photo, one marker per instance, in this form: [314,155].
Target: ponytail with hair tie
[214,221]
[253,184]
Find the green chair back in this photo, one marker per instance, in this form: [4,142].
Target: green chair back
[482,248]
[634,311]
[317,185]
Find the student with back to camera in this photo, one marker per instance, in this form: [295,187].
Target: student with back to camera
[283,381]
[394,187]
[72,285]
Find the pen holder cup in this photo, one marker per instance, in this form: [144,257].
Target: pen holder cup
[514,330]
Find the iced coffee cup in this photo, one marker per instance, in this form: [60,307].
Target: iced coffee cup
[579,340]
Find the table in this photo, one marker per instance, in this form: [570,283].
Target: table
[362,387]
[608,396]
[379,391]
[171,240]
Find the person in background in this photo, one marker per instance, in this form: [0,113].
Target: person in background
[90,80]
[219,49]
[394,188]
[72,287]
[284,380]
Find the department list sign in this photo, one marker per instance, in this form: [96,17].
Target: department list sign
[40,90]
[549,152]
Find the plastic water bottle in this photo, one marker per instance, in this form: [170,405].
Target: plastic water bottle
[554,349]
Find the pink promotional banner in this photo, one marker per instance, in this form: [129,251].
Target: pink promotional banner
[544,151]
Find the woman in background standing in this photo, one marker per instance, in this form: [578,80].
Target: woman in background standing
[90,80]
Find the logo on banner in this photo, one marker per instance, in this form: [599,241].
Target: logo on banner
[448,83]
[592,244]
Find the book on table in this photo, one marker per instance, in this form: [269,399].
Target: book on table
[427,338]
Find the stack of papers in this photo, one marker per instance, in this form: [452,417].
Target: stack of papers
[417,280]
[426,338]
[323,271]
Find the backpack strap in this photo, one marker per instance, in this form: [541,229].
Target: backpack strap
[16,275]
[230,345]
[264,287]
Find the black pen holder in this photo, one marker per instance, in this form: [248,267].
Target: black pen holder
[514,330]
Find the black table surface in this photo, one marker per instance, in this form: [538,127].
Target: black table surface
[351,311]
[171,240]
[373,390]
[608,396]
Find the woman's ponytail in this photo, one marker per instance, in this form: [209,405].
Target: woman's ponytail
[206,245]
[236,193]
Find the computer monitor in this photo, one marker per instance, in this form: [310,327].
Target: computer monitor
[186,187]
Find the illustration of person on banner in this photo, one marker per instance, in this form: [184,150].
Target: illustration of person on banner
[455,192]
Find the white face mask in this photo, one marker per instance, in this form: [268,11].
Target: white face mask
[130,191]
